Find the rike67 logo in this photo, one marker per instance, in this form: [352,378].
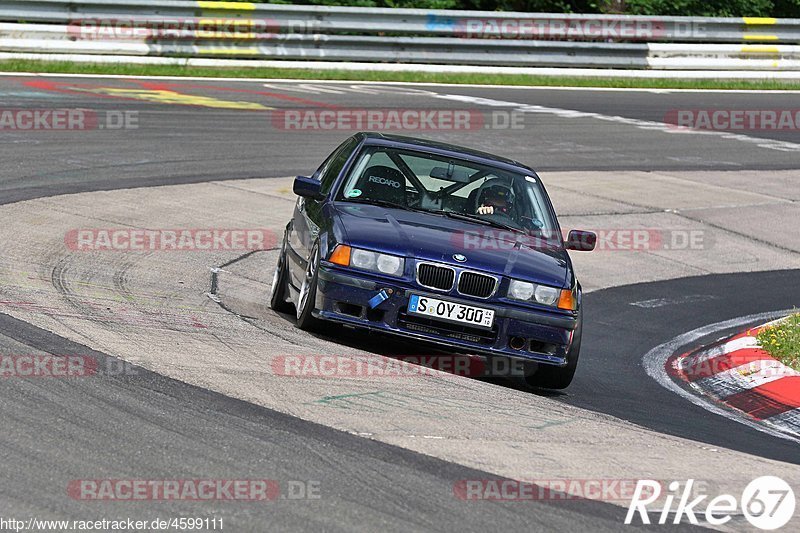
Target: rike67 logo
[767,502]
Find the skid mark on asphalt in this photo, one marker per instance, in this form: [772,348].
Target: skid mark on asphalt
[100,292]
[121,282]
[383,401]
[662,302]
[92,309]
[291,199]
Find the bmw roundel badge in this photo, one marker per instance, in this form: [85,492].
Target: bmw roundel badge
[460,258]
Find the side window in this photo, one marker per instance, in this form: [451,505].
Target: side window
[331,168]
[325,164]
[376,177]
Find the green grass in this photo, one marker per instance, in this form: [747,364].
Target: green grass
[301,74]
[782,341]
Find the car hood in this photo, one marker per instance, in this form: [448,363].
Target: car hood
[437,238]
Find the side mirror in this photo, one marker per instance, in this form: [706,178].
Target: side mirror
[581,241]
[307,187]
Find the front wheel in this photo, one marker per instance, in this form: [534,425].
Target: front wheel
[277,301]
[557,377]
[308,293]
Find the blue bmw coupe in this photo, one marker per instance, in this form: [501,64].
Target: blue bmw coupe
[439,244]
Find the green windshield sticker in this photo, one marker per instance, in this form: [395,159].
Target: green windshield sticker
[355,193]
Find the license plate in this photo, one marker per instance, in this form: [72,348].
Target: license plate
[450,311]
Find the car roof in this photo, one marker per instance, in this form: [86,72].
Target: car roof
[440,148]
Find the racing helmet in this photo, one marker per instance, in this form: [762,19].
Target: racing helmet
[498,195]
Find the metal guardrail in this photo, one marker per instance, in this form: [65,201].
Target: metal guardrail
[247,30]
[487,24]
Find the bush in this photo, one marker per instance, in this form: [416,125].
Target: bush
[786,9]
[701,8]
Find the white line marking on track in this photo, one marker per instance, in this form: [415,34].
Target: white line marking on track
[771,144]
[403,83]
[655,359]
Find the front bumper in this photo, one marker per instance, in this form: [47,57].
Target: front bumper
[343,296]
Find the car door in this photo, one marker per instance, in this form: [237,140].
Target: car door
[308,218]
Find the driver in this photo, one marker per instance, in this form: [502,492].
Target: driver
[496,199]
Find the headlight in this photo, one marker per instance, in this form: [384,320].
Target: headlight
[546,295]
[532,292]
[363,259]
[521,290]
[391,265]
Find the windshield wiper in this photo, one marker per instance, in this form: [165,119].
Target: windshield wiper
[387,203]
[378,202]
[484,221]
[450,214]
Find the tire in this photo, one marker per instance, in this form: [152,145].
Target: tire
[308,293]
[558,377]
[280,278]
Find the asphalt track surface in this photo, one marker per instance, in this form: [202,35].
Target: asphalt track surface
[613,381]
[148,426]
[144,426]
[178,144]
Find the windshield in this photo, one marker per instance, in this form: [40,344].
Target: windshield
[426,182]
